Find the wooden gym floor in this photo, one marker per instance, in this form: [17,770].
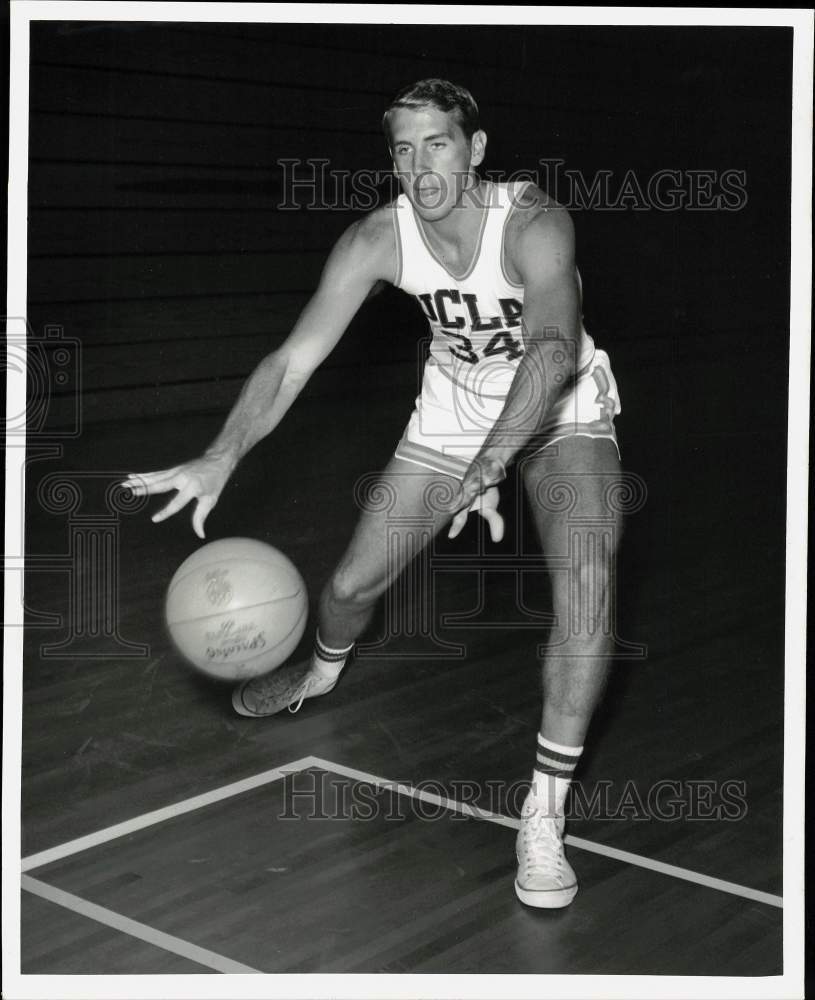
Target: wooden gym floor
[111,740]
[160,832]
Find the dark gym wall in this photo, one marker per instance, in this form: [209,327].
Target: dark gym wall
[156,237]
[157,241]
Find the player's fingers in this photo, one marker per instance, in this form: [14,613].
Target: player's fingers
[458,523]
[148,477]
[151,482]
[202,509]
[489,498]
[468,495]
[181,499]
[495,522]
[487,506]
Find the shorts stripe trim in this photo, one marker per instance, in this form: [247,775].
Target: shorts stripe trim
[420,454]
[566,431]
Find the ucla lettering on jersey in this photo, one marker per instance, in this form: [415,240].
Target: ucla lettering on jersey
[475,318]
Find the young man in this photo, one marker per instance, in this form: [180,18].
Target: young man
[511,374]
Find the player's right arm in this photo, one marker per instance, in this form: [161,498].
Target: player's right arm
[364,255]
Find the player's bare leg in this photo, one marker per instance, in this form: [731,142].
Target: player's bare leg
[569,487]
[568,491]
[376,555]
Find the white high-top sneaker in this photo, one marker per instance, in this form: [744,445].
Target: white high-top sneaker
[545,878]
[286,687]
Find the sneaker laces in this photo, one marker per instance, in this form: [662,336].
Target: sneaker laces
[313,678]
[540,842]
[300,694]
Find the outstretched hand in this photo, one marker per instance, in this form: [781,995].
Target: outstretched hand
[201,480]
[478,492]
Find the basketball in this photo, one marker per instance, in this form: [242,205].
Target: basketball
[236,608]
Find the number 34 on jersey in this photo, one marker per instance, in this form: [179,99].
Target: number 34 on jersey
[457,315]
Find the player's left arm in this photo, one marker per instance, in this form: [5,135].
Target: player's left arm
[543,253]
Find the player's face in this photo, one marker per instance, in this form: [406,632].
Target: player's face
[433,159]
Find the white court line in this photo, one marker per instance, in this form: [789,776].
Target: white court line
[160,815]
[415,793]
[583,845]
[203,956]
[676,872]
[247,784]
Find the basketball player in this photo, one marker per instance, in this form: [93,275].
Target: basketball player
[512,375]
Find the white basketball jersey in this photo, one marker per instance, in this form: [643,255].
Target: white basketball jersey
[475,319]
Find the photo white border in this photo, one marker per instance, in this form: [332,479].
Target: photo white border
[790,984]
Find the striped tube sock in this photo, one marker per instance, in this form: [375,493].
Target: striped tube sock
[554,767]
[327,661]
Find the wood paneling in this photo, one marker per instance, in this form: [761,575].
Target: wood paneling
[178,230]
[78,279]
[155,180]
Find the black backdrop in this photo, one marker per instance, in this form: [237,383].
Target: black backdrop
[157,240]
[156,236]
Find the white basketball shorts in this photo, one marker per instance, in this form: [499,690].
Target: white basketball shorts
[450,422]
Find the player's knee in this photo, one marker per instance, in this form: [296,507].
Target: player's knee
[346,588]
